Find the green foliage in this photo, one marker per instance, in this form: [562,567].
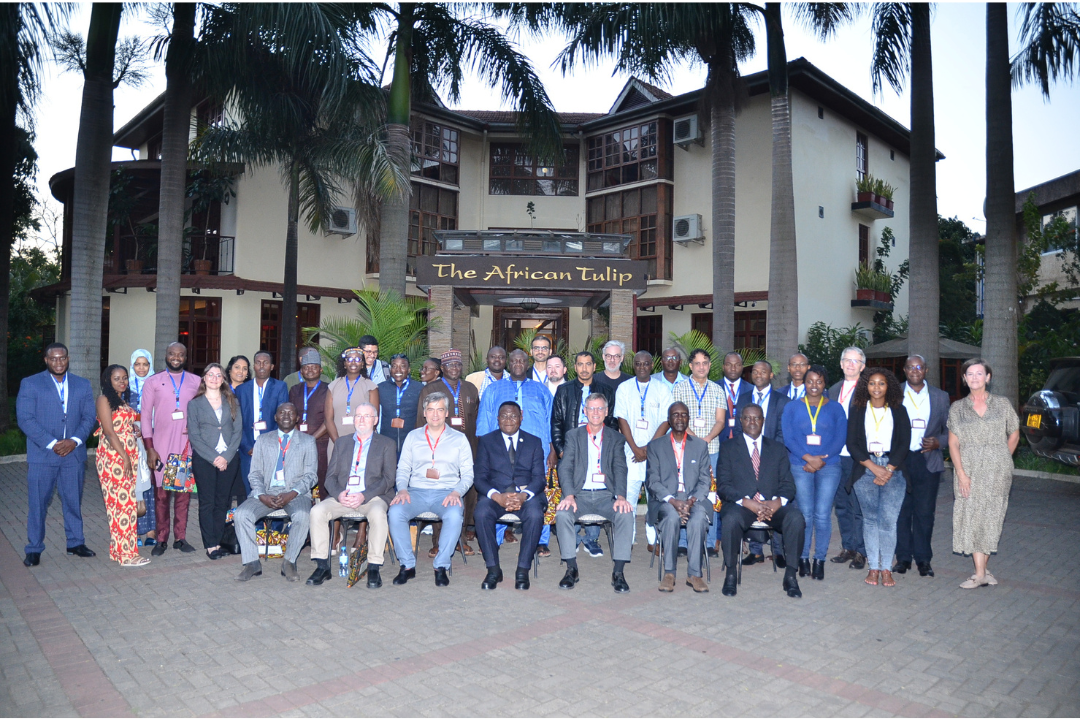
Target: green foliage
[525,339]
[205,190]
[13,442]
[865,183]
[123,201]
[694,339]
[401,326]
[824,345]
[1025,459]
[31,267]
[886,326]
[956,249]
[1045,333]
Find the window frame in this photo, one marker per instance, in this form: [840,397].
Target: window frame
[199,357]
[522,171]
[660,245]
[439,152]
[862,155]
[607,165]
[418,244]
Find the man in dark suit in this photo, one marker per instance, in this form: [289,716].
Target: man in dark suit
[754,480]
[928,408]
[259,401]
[509,478]
[592,474]
[679,478]
[735,390]
[55,410]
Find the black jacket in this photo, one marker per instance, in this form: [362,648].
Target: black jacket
[567,405]
[857,443]
[735,471]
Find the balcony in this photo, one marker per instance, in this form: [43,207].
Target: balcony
[201,255]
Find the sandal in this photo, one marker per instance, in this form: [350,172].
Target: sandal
[872,577]
[433,551]
[973,582]
[543,551]
[887,579]
[135,562]
[469,552]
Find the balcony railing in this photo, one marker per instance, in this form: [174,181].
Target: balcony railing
[201,255]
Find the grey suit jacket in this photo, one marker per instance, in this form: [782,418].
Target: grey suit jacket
[662,473]
[301,463]
[204,429]
[937,427]
[379,473]
[574,465]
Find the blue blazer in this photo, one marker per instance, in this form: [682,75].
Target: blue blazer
[41,417]
[493,472]
[776,402]
[276,392]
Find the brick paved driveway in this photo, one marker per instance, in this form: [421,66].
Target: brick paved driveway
[180,637]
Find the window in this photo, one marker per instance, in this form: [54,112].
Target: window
[750,329]
[431,208]
[862,148]
[702,322]
[864,246]
[630,155]
[650,334]
[436,147]
[307,315]
[200,331]
[210,113]
[1056,244]
[514,172]
[645,215]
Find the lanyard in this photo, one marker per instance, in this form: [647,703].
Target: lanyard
[519,383]
[763,398]
[733,397]
[348,398]
[284,449]
[678,453]
[455,393]
[642,395]
[400,393]
[260,390]
[307,396]
[877,423]
[359,451]
[843,397]
[176,390]
[912,398]
[437,441]
[814,416]
[598,443]
[137,386]
[701,398]
[537,376]
[61,387]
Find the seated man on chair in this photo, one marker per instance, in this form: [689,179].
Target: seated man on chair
[509,479]
[360,479]
[284,468]
[754,481]
[678,479]
[592,473]
[434,471]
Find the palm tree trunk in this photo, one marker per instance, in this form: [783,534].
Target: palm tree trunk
[91,194]
[722,129]
[924,291]
[176,124]
[286,359]
[1000,305]
[9,98]
[782,320]
[394,227]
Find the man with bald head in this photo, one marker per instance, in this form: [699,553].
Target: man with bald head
[494,372]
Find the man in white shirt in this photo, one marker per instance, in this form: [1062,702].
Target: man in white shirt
[670,360]
[556,373]
[848,511]
[797,366]
[541,353]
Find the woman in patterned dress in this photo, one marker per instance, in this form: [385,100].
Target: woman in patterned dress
[984,431]
[116,458]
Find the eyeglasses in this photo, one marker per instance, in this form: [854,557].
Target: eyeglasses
[847,361]
[507,416]
[799,364]
[914,367]
[595,409]
[540,347]
[368,417]
[214,376]
[612,357]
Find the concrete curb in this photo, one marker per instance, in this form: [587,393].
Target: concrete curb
[1036,475]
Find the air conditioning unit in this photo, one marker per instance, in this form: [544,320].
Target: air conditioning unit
[686,229]
[687,130]
[342,221]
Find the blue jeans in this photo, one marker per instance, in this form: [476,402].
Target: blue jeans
[848,512]
[420,501]
[814,492]
[881,506]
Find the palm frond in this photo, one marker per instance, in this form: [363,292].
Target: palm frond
[891,30]
[1049,45]
[824,18]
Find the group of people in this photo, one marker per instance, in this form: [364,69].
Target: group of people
[521,444]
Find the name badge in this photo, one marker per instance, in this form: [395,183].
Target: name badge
[731,422]
[347,420]
[918,424]
[433,473]
[877,448]
[354,485]
[813,439]
[178,415]
[260,425]
[303,427]
[598,478]
[280,476]
[699,422]
[643,424]
[397,423]
[457,422]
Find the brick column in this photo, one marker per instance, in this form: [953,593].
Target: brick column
[441,314]
[621,321]
[459,333]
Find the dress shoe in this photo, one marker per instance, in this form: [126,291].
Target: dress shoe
[712,552]
[818,573]
[698,584]
[494,577]
[618,581]
[288,571]
[214,554]
[804,567]
[509,537]
[843,557]
[183,546]
[780,561]
[320,576]
[858,562]
[83,551]
[441,578]
[668,583]
[925,569]
[405,575]
[901,566]
[374,578]
[159,549]
[32,559]
[521,579]
[731,585]
[251,569]
[682,552]
[753,559]
[651,549]
[570,579]
[791,586]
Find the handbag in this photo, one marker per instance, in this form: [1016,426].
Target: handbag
[717,503]
[272,545]
[144,479]
[178,476]
[357,558]
[229,540]
[553,492]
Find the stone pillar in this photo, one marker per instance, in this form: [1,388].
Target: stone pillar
[440,319]
[459,333]
[621,320]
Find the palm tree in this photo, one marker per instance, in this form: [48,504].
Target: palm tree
[652,39]
[432,45]
[902,44]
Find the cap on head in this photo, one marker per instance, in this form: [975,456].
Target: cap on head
[310,356]
[451,356]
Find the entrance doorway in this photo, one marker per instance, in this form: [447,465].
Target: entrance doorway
[508,323]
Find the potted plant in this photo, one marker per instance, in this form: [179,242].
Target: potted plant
[883,290]
[205,191]
[886,192]
[864,188]
[865,283]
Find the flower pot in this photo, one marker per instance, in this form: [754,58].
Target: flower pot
[882,296]
[864,197]
[888,203]
[880,200]
[134,267]
[864,294]
[203,267]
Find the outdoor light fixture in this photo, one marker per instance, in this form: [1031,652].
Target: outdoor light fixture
[529,304]
[545,172]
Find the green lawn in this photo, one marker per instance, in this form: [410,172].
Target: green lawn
[1025,459]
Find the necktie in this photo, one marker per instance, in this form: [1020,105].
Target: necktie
[758,401]
[513,453]
[755,460]
[281,453]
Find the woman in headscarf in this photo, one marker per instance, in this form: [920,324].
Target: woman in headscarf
[139,370]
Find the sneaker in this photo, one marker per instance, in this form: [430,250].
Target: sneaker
[593,548]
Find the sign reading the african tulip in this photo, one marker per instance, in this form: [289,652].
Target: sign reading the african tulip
[538,273]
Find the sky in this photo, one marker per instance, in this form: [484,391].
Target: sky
[1045,141]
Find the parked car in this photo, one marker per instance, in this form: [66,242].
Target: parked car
[1051,417]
